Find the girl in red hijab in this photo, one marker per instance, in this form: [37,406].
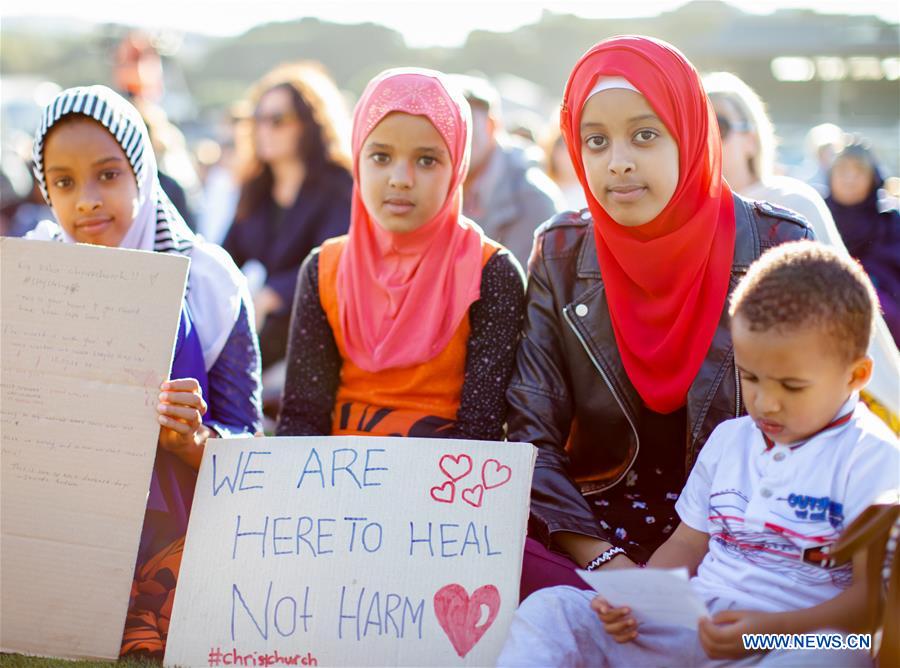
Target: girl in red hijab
[407,325]
[626,365]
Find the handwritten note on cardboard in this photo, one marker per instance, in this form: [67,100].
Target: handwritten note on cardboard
[352,551]
[86,337]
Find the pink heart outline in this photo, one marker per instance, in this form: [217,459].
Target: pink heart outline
[499,468]
[458,614]
[438,492]
[455,462]
[472,491]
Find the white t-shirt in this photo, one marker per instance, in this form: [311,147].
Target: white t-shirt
[763,508]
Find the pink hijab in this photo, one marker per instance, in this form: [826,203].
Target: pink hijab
[401,297]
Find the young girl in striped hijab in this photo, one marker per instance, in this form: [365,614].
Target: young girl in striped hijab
[95,165]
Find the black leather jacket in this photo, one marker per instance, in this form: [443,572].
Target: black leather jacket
[570,395]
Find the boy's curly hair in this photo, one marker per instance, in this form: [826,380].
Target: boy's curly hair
[806,284]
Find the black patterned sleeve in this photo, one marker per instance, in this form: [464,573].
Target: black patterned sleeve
[496,321]
[313,361]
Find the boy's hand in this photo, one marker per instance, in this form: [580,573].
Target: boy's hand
[618,622]
[181,410]
[721,636]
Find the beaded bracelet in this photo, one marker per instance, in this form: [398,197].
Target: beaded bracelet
[603,557]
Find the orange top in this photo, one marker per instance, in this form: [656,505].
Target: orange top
[419,400]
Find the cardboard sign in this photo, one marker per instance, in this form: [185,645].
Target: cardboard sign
[352,551]
[87,338]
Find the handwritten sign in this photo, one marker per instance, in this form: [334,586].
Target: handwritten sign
[86,337]
[352,551]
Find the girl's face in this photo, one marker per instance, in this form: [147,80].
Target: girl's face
[630,159]
[277,130]
[405,172]
[92,188]
[851,181]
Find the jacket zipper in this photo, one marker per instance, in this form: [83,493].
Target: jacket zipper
[603,375]
[737,391]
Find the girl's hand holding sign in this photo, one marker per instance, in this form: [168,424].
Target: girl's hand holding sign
[181,409]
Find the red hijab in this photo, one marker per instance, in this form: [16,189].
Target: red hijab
[666,281]
[401,297]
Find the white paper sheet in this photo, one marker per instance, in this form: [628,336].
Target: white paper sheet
[663,596]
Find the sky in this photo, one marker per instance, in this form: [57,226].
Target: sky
[422,23]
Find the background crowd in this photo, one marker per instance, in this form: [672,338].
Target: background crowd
[266,173]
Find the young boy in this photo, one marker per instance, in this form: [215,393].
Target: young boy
[769,493]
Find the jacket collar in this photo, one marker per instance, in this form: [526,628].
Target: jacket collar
[588,262]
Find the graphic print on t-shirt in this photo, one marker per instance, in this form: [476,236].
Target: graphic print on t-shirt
[773,545]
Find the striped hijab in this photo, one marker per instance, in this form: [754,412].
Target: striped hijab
[157,225]
[215,286]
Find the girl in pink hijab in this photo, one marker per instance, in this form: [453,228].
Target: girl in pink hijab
[408,325]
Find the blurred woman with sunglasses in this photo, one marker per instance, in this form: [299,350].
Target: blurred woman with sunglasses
[296,187]
[748,154]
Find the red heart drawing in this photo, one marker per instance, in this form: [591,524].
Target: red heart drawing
[457,467]
[473,495]
[494,474]
[444,493]
[458,614]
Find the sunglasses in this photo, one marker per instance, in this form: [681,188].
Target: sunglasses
[274,120]
[726,127]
